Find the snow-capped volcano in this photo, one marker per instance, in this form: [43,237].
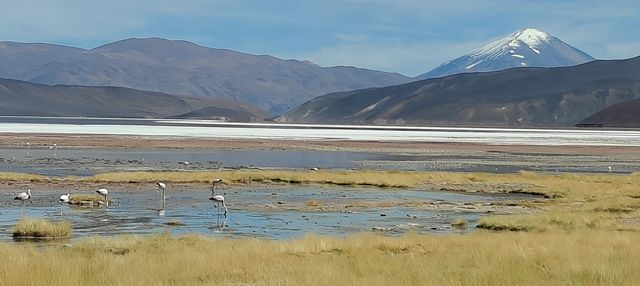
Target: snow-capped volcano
[524,48]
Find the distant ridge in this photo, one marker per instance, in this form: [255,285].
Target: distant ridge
[185,68]
[523,48]
[562,96]
[20,98]
[624,114]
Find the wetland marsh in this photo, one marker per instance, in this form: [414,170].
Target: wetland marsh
[319,212]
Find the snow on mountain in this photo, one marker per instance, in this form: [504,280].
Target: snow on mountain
[524,48]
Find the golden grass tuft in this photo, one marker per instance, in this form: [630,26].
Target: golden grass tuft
[460,223]
[91,199]
[313,203]
[175,222]
[42,228]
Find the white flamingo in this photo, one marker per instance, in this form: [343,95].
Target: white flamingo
[218,198]
[162,186]
[23,197]
[64,199]
[105,193]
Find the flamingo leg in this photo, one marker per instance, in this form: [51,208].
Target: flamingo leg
[225,209]
[218,215]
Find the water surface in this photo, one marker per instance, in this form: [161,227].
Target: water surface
[271,212]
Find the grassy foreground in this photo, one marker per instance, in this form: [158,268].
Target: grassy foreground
[584,233]
[507,258]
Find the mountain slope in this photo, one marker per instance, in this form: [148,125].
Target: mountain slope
[184,68]
[624,114]
[527,47]
[24,98]
[515,97]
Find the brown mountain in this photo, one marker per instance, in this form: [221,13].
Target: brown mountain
[624,114]
[23,98]
[184,68]
[516,97]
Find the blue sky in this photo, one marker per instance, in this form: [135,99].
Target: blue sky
[406,36]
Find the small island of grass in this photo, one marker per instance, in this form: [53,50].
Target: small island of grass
[41,228]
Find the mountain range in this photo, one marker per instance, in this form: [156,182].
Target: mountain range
[504,83]
[523,48]
[20,98]
[184,68]
[562,96]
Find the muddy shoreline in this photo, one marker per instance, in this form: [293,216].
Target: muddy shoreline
[88,155]
[45,141]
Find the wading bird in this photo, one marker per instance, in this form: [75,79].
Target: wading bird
[104,192]
[23,197]
[64,199]
[218,198]
[162,186]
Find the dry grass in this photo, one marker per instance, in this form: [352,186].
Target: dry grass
[552,185]
[460,223]
[586,233]
[371,178]
[87,200]
[174,222]
[87,197]
[41,228]
[557,258]
[7,176]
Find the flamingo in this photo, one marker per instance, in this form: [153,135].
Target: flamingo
[23,197]
[64,199]
[218,198]
[104,192]
[162,186]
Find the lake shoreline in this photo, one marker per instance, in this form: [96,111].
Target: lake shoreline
[83,141]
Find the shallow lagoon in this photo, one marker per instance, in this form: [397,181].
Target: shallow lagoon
[274,212]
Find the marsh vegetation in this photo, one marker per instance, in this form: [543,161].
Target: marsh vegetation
[484,258]
[583,231]
[41,228]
